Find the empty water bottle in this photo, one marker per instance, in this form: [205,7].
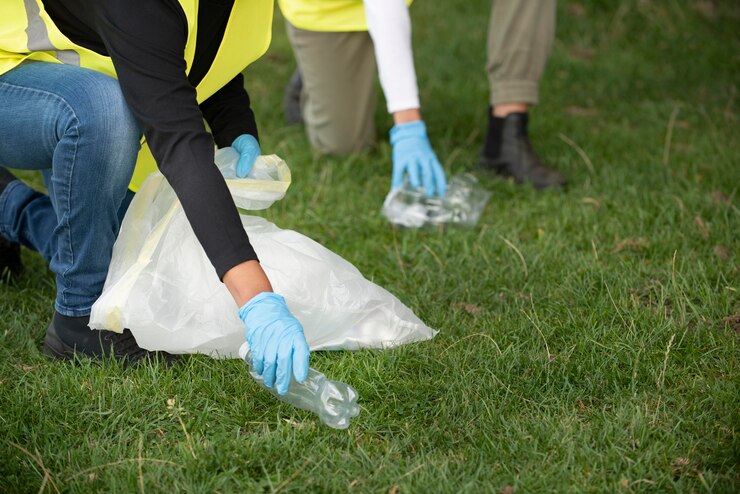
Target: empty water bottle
[463,203]
[334,402]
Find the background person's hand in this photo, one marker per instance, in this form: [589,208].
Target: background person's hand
[276,340]
[248,148]
[413,155]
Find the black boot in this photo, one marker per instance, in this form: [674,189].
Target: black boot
[508,152]
[292,99]
[68,337]
[10,252]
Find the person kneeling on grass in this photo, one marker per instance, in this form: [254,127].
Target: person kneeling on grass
[332,92]
[80,82]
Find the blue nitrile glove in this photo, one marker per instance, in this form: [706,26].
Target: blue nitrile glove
[248,149]
[276,340]
[412,154]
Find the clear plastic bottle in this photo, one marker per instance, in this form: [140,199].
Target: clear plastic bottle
[463,203]
[334,402]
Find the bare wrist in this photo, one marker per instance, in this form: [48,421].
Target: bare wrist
[246,280]
[404,116]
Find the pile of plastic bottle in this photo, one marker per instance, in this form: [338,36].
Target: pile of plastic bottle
[463,203]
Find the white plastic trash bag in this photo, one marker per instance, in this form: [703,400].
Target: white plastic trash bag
[163,288]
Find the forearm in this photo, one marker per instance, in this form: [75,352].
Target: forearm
[147,55]
[389,25]
[229,113]
[207,203]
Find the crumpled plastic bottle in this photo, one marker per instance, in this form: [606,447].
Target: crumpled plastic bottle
[334,402]
[463,203]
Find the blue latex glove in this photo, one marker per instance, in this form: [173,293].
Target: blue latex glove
[276,340]
[248,149]
[413,155]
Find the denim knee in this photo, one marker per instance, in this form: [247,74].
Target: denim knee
[100,112]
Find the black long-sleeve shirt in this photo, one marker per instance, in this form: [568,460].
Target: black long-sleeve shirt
[146,40]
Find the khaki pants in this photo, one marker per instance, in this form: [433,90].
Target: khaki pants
[339,72]
[520,37]
[338,98]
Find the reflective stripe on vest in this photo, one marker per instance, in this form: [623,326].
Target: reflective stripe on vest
[38,36]
[28,33]
[326,15]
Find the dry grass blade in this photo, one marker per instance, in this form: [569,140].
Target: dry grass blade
[614,304]
[518,252]
[43,484]
[292,476]
[417,467]
[138,461]
[471,336]
[187,436]
[669,135]
[661,377]
[596,253]
[398,254]
[435,256]
[37,459]
[579,150]
[121,462]
[537,326]
[321,186]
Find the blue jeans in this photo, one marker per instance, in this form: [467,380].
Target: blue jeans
[74,126]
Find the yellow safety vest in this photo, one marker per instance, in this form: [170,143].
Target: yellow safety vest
[28,33]
[326,15]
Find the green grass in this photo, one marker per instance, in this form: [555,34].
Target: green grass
[606,360]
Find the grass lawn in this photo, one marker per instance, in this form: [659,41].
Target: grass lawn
[588,337]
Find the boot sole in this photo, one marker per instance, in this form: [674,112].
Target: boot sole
[54,347]
[494,167]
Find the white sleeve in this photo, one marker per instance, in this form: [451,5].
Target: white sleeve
[389,24]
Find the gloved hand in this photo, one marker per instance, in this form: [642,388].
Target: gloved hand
[412,154]
[276,340]
[248,149]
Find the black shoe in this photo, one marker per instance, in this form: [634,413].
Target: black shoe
[10,260]
[70,337]
[10,252]
[292,99]
[508,152]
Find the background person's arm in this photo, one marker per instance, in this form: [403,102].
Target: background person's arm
[389,25]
